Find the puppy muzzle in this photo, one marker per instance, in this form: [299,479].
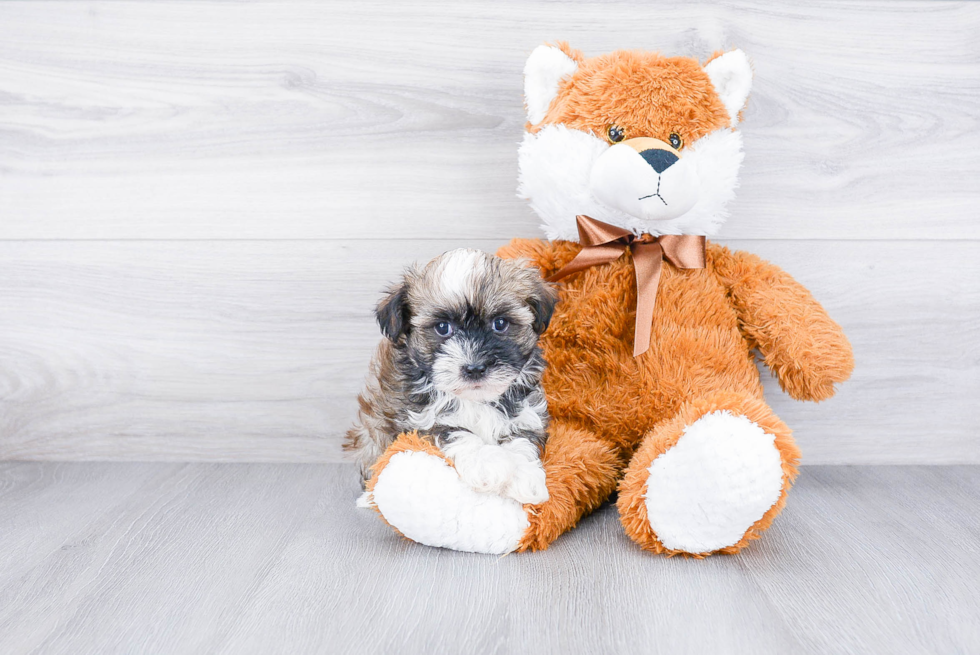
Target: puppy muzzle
[475,371]
[464,371]
[645,178]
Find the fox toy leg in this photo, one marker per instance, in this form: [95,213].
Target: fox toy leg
[581,472]
[710,479]
[418,492]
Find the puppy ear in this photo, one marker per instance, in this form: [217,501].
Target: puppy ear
[542,303]
[547,66]
[392,313]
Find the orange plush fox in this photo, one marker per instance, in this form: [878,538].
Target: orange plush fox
[623,152]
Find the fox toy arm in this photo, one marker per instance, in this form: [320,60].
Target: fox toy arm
[805,349]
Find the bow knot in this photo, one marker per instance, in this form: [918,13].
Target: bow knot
[603,243]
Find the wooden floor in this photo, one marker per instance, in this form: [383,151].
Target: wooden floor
[273,558]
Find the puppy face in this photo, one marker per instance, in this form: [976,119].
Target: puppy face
[469,322]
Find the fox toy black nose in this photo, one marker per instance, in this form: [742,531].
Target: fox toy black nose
[659,160]
[474,371]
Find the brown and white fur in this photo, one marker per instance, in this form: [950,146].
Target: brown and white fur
[462,366]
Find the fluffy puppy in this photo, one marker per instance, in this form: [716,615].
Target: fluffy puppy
[461,365]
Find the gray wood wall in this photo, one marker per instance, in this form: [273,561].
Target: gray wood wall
[199,203]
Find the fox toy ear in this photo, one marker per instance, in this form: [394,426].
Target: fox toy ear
[544,70]
[731,75]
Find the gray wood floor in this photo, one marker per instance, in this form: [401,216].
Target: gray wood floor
[267,558]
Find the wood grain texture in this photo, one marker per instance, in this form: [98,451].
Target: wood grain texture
[200,558]
[216,120]
[254,351]
[192,195]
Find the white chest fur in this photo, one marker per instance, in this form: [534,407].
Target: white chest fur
[486,420]
[482,458]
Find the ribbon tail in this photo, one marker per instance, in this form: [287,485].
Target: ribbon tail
[648,263]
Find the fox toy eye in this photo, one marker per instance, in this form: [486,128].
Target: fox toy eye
[675,141]
[443,328]
[500,324]
[616,133]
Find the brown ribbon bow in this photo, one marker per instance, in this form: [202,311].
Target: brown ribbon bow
[603,243]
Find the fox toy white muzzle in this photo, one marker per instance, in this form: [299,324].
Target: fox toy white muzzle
[645,178]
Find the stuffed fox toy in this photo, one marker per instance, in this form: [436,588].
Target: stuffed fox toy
[630,160]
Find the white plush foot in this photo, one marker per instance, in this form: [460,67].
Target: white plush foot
[425,499]
[720,478]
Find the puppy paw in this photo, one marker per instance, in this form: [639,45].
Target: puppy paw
[364,501]
[488,469]
[528,485]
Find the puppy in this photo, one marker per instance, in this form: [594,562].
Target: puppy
[461,364]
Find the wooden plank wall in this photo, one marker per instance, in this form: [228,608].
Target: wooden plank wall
[199,203]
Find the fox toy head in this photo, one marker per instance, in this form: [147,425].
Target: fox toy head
[635,139]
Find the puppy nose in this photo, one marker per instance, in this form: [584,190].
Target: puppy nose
[474,371]
[659,160]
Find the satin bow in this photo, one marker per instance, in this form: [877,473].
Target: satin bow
[603,243]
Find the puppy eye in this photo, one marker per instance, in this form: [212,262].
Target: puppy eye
[443,329]
[616,133]
[675,140]
[500,324]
